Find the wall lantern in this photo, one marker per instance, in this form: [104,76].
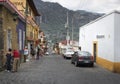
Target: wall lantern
[15,16]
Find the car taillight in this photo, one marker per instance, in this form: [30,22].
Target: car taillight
[91,57]
[80,58]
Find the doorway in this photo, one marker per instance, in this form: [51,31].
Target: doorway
[95,50]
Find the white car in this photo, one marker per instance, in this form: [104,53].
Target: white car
[47,53]
[68,53]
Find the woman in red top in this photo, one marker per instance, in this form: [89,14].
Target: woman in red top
[16,56]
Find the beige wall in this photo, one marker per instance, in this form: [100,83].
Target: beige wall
[31,25]
[20,4]
[9,24]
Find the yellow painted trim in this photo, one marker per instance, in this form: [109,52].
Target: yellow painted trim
[117,67]
[112,66]
[105,63]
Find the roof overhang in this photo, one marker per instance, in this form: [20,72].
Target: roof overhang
[32,5]
[9,5]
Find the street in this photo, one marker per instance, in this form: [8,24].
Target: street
[54,69]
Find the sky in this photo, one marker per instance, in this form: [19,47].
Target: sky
[99,6]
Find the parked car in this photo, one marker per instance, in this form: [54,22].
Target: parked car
[47,53]
[68,53]
[82,57]
[63,51]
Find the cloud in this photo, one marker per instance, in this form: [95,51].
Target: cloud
[101,6]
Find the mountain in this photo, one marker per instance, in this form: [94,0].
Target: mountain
[54,17]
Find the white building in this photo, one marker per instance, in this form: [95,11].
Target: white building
[102,38]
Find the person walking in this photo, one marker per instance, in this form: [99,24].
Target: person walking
[16,56]
[38,54]
[26,52]
[41,53]
[8,60]
[33,53]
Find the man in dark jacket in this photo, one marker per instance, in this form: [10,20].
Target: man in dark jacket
[8,60]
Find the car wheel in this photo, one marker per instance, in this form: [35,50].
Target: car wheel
[76,63]
[65,57]
[72,62]
[92,64]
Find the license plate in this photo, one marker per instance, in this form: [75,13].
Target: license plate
[86,61]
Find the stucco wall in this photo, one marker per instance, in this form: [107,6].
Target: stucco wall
[20,4]
[1,30]
[108,46]
[117,37]
[9,24]
[102,27]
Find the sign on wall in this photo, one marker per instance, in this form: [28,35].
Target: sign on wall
[100,36]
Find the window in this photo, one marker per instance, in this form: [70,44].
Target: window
[9,39]
[24,39]
[20,39]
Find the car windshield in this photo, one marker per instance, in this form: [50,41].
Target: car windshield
[69,51]
[83,53]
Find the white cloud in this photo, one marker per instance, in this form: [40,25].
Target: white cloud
[101,6]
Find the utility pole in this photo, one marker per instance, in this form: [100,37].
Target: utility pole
[67,28]
[72,31]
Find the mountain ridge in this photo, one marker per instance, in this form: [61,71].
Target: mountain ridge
[54,17]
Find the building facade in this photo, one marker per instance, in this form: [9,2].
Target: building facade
[9,16]
[101,38]
[28,9]
[21,35]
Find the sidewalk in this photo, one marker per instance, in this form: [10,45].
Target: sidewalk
[25,65]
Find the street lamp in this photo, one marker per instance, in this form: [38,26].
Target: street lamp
[15,16]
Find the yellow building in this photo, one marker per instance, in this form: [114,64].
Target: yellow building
[20,4]
[28,9]
[10,18]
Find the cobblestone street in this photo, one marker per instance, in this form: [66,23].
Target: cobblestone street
[56,70]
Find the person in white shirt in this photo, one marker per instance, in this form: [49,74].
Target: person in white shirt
[26,52]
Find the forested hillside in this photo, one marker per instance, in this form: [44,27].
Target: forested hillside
[53,19]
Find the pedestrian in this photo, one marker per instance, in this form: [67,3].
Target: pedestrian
[33,53]
[26,53]
[41,53]
[79,48]
[8,60]
[16,56]
[38,54]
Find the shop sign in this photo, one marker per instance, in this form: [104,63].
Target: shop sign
[100,36]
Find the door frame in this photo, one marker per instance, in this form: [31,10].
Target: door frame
[95,48]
